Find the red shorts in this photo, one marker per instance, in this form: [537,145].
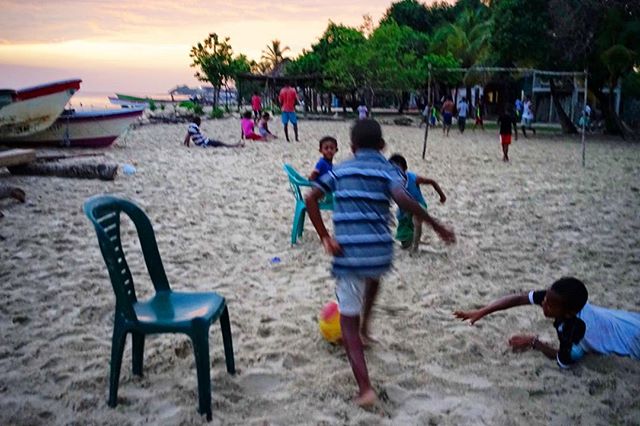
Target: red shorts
[253,137]
[505,139]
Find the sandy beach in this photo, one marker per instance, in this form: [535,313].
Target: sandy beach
[221,215]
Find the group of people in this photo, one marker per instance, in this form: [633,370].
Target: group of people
[362,250]
[448,110]
[288,99]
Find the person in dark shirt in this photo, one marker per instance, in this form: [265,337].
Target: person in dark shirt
[507,121]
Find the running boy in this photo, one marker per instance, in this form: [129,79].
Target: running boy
[194,134]
[409,227]
[328,149]
[506,121]
[581,327]
[363,245]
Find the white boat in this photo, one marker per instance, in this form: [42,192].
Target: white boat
[30,110]
[93,129]
[127,103]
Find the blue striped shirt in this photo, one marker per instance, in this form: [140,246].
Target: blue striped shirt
[361,189]
[196,137]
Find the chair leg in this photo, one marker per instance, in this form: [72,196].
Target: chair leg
[117,348]
[303,215]
[200,339]
[227,341]
[137,343]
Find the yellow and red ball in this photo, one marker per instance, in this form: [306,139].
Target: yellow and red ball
[329,322]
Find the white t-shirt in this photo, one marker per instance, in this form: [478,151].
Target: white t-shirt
[463,109]
[362,112]
[527,113]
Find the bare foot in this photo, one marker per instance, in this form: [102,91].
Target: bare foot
[367,340]
[367,399]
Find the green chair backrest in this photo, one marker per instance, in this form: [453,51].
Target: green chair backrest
[104,212]
[296,181]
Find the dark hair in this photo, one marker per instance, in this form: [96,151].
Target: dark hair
[399,160]
[327,139]
[265,115]
[246,114]
[196,120]
[367,134]
[573,293]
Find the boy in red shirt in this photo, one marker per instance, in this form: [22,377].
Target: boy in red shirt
[288,99]
[506,121]
[256,106]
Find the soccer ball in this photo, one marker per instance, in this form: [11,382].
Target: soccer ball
[329,322]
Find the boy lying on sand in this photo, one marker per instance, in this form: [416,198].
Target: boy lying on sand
[581,327]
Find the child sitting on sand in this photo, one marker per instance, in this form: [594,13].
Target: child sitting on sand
[363,245]
[194,134]
[263,127]
[328,149]
[409,227]
[581,327]
[246,127]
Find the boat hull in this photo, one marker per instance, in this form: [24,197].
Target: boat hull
[34,109]
[90,129]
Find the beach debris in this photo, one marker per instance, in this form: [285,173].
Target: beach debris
[13,157]
[128,169]
[403,121]
[275,260]
[102,171]
[12,192]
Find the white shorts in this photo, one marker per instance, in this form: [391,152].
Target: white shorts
[350,294]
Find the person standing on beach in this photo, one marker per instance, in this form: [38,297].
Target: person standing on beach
[447,115]
[288,98]
[363,244]
[479,113]
[506,121]
[527,117]
[363,111]
[463,110]
[256,106]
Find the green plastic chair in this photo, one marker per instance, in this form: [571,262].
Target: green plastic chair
[166,312]
[296,181]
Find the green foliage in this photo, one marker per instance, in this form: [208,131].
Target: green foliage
[215,63]
[162,107]
[519,34]
[152,105]
[198,110]
[417,16]
[216,112]
[189,105]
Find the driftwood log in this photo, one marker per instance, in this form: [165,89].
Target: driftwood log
[78,170]
[12,192]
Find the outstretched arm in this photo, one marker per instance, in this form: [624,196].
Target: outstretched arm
[311,200]
[187,139]
[423,180]
[408,204]
[501,304]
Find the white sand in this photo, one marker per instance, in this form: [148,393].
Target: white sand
[221,215]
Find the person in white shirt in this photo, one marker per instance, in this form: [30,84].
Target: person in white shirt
[463,111]
[581,327]
[527,117]
[363,112]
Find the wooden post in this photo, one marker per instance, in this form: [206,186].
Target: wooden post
[426,129]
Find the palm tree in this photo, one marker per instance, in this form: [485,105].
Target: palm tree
[274,54]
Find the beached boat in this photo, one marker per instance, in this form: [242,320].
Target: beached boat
[30,110]
[128,103]
[94,129]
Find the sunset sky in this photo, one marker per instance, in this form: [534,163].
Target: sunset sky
[143,46]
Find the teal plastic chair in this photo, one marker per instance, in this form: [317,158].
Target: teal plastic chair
[296,182]
[166,312]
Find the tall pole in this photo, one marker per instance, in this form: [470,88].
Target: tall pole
[584,117]
[428,117]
